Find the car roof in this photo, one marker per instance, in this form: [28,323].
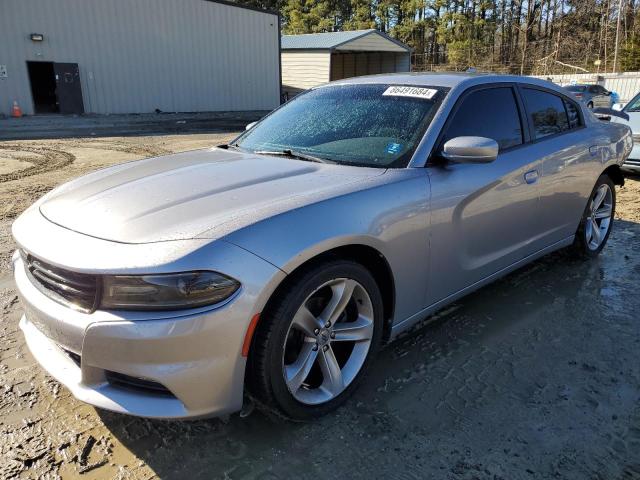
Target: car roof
[445,79]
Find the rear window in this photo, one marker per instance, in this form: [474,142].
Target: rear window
[546,111]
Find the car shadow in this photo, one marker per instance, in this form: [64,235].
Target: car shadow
[482,388]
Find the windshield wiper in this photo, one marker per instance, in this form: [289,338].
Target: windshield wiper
[227,146]
[294,154]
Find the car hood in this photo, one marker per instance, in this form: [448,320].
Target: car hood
[197,194]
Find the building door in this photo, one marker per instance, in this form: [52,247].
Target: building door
[55,87]
[43,87]
[68,89]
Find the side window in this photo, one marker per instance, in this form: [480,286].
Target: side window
[547,112]
[572,114]
[490,113]
[594,89]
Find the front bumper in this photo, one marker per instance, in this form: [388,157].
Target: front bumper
[195,355]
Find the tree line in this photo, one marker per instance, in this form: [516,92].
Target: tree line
[510,36]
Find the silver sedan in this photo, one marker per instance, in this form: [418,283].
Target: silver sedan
[276,266]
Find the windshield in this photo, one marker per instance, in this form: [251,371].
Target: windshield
[633,105]
[368,125]
[576,88]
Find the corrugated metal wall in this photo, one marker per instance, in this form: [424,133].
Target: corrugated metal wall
[139,55]
[303,69]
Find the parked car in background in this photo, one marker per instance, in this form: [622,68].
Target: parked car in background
[632,109]
[280,263]
[592,96]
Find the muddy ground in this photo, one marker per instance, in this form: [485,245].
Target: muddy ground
[534,377]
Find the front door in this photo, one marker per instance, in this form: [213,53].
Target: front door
[68,89]
[484,216]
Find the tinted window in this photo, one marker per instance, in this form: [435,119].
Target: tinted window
[576,88]
[594,89]
[572,114]
[547,112]
[490,113]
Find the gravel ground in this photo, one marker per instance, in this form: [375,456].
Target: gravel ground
[533,377]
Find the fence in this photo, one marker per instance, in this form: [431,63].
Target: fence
[626,85]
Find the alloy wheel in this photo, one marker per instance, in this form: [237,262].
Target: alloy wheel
[328,341]
[598,221]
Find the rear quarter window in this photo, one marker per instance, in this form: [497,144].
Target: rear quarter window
[572,114]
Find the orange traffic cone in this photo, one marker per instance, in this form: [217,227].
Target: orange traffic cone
[16,112]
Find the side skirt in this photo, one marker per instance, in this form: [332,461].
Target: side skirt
[422,315]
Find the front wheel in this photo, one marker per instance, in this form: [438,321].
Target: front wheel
[597,220]
[316,340]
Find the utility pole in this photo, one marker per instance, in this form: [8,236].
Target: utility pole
[615,52]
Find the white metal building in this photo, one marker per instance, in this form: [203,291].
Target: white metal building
[136,56]
[312,59]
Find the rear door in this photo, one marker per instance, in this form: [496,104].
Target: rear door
[484,216]
[567,150]
[68,88]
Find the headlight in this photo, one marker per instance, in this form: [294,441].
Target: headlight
[165,292]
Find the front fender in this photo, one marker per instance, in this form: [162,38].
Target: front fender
[392,218]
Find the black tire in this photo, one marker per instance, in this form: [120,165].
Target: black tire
[265,379]
[580,245]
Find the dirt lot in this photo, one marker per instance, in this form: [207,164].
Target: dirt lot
[534,377]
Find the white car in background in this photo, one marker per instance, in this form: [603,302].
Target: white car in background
[632,109]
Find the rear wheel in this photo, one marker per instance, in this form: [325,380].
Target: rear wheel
[317,339]
[597,220]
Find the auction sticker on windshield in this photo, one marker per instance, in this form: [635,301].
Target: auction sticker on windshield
[416,92]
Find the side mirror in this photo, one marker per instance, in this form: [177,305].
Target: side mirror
[470,150]
[250,126]
[607,113]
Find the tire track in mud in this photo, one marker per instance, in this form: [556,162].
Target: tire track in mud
[54,157]
[44,159]
[145,150]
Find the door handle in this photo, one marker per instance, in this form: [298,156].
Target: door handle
[531,176]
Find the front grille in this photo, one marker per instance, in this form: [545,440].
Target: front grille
[632,162]
[76,290]
[134,383]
